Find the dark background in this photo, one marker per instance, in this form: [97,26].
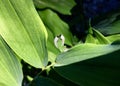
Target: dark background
[85,10]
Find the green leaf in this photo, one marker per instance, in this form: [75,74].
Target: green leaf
[23,30]
[90,39]
[52,50]
[102,71]
[83,52]
[43,81]
[100,37]
[50,43]
[56,25]
[113,38]
[10,67]
[62,6]
[110,25]
[51,56]
[59,79]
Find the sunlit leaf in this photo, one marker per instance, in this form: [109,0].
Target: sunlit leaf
[83,52]
[62,6]
[51,56]
[113,38]
[90,39]
[10,67]
[23,30]
[101,39]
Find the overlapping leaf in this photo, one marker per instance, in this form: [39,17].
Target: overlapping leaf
[83,52]
[52,50]
[113,38]
[102,71]
[59,79]
[56,25]
[57,5]
[110,25]
[10,67]
[23,30]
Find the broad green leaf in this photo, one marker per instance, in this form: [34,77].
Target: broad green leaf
[62,6]
[110,25]
[83,52]
[102,71]
[43,81]
[23,30]
[56,25]
[10,67]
